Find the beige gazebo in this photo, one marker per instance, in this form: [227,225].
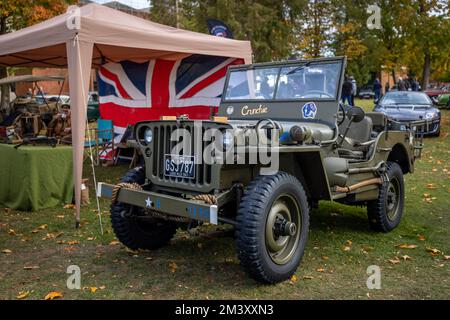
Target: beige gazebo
[87,37]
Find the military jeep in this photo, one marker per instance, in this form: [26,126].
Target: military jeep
[281,141]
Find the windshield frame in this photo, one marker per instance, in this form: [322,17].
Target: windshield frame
[340,61]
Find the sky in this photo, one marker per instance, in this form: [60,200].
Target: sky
[137,4]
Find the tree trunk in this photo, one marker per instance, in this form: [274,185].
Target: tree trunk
[4,99]
[426,70]
[393,76]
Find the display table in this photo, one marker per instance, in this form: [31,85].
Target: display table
[35,177]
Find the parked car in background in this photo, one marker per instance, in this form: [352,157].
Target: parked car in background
[407,106]
[443,100]
[366,93]
[433,93]
[61,100]
[93,112]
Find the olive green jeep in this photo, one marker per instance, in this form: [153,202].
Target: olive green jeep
[281,141]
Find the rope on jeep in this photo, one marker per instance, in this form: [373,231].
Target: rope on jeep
[207,198]
[117,187]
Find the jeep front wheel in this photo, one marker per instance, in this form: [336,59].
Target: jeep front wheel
[131,226]
[272,227]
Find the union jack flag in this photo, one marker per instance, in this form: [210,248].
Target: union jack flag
[131,92]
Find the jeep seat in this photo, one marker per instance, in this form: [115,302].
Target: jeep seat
[358,139]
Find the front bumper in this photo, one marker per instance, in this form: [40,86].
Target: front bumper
[430,128]
[175,206]
[427,127]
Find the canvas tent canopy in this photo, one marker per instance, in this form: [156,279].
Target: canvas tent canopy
[29,78]
[90,36]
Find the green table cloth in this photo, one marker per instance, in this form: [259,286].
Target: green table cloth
[35,177]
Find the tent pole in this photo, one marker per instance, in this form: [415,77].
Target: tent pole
[79,56]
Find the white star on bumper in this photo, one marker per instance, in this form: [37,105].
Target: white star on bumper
[148,202]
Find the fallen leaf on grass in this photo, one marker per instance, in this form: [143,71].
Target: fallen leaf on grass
[406,246]
[52,235]
[347,246]
[11,232]
[431,186]
[294,278]
[308,277]
[93,289]
[394,261]
[421,237]
[102,287]
[406,257]
[30,267]
[90,238]
[41,227]
[446,257]
[53,295]
[173,266]
[114,242]
[6,251]
[433,251]
[60,216]
[71,243]
[23,294]
[320,270]
[69,206]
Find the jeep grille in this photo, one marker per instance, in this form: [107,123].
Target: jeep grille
[206,176]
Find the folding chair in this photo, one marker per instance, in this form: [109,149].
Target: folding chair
[101,142]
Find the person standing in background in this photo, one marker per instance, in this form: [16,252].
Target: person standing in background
[401,84]
[377,89]
[354,89]
[347,91]
[386,88]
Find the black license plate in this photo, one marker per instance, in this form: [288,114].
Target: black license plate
[179,166]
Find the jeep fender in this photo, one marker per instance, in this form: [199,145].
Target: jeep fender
[400,155]
[308,167]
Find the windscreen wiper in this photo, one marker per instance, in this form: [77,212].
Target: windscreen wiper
[299,68]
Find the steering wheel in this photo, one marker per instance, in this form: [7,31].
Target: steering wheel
[341,114]
[313,94]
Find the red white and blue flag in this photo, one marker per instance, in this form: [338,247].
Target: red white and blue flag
[131,92]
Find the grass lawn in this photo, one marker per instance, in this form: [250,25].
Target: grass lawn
[37,247]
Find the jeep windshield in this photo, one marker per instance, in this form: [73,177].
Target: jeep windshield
[306,80]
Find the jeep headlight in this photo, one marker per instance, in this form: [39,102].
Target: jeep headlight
[228,139]
[148,135]
[430,115]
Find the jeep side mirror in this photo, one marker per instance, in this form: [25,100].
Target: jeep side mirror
[356,114]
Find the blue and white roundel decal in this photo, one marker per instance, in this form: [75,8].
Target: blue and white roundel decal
[309,110]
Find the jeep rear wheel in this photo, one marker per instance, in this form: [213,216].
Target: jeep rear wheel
[386,212]
[131,226]
[272,227]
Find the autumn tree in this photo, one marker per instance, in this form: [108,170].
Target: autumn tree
[164,12]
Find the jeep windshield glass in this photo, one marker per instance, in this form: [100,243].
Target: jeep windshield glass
[292,82]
